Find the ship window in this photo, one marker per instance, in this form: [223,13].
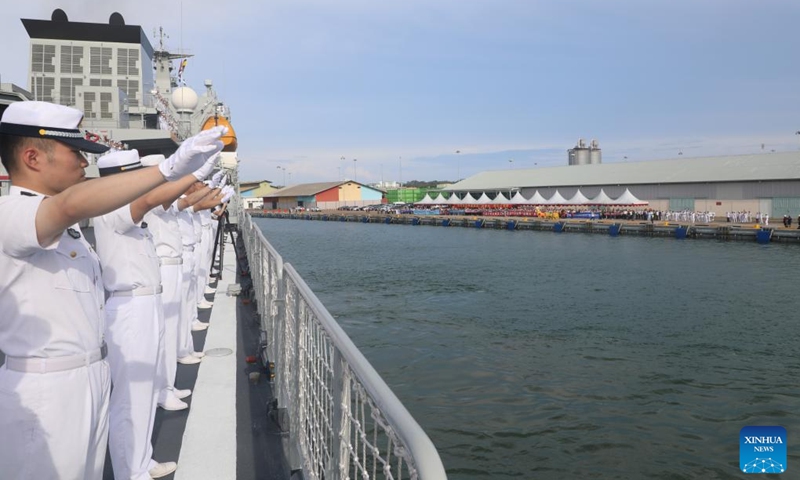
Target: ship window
[42,58]
[88,104]
[71,59]
[100,82]
[68,90]
[131,89]
[127,61]
[100,61]
[105,105]
[43,88]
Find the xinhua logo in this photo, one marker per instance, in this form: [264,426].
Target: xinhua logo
[762,449]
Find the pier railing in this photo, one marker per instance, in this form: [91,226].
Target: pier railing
[343,421]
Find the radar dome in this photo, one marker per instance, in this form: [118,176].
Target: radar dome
[184,99]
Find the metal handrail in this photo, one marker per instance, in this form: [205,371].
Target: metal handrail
[341,383]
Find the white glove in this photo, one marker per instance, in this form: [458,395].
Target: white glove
[216,179]
[192,154]
[223,181]
[228,191]
[202,172]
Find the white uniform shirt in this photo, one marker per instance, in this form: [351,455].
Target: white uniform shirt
[126,251]
[51,298]
[205,218]
[186,224]
[163,225]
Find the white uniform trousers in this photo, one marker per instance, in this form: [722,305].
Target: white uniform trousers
[203,258]
[134,333]
[188,305]
[171,276]
[54,425]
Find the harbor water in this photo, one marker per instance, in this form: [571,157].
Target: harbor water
[561,356]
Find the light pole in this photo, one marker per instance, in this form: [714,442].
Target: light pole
[284,175]
[400,164]
[458,165]
[341,159]
[339,173]
[355,177]
[510,162]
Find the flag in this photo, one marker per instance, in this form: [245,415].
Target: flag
[182,67]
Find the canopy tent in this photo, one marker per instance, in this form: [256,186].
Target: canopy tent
[483,199]
[439,200]
[537,199]
[517,199]
[500,199]
[578,199]
[627,198]
[426,200]
[556,199]
[468,200]
[601,199]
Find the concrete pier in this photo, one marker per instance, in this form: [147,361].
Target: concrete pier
[716,231]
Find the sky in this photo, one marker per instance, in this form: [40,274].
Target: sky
[397,87]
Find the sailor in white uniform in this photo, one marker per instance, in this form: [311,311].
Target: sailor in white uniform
[163,224]
[189,238]
[54,385]
[135,320]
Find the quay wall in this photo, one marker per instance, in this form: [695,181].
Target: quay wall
[678,230]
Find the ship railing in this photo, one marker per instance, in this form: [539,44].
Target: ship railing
[343,420]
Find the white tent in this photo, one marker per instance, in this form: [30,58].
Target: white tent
[537,199]
[439,200]
[426,200]
[468,200]
[578,199]
[500,199]
[556,199]
[483,199]
[452,200]
[601,199]
[518,199]
[627,198]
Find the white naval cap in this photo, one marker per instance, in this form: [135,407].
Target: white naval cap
[118,161]
[152,160]
[48,120]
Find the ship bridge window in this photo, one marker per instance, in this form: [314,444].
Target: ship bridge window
[100,61]
[71,59]
[42,58]
[127,61]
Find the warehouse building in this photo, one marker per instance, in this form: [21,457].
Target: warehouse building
[325,195]
[767,183]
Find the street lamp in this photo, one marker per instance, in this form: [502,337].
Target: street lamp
[458,165]
[355,178]
[284,175]
[341,159]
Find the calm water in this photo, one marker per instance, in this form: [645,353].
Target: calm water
[571,356]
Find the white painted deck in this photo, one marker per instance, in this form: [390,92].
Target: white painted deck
[209,441]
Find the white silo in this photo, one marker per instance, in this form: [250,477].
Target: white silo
[595,154]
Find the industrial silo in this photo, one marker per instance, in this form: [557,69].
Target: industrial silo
[580,154]
[595,154]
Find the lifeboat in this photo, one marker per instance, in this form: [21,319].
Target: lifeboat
[229,139]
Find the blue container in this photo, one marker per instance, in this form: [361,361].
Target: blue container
[511,225]
[415,221]
[364,219]
[387,220]
[558,227]
[680,232]
[763,236]
[342,218]
[446,222]
[614,229]
[478,224]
